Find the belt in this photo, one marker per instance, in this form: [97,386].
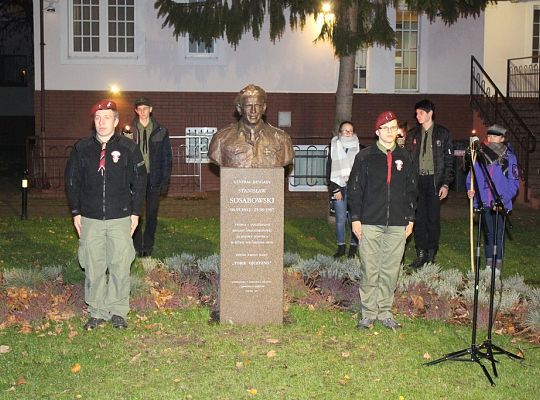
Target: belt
[424,172]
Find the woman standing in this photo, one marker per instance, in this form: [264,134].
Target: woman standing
[343,149]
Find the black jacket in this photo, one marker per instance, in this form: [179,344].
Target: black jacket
[443,153]
[119,192]
[374,202]
[160,155]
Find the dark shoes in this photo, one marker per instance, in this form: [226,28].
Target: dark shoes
[93,323]
[340,251]
[365,323]
[118,322]
[352,251]
[144,253]
[391,323]
[421,259]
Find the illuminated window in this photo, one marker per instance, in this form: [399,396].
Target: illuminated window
[360,69]
[102,27]
[406,58]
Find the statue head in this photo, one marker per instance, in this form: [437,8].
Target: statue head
[251,104]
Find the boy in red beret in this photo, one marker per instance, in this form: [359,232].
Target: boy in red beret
[105,181]
[382,200]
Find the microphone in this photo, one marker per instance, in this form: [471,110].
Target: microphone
[474,143]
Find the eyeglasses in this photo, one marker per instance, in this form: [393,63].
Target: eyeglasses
[389,128]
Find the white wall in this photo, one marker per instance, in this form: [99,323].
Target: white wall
[508,34]
[293,64]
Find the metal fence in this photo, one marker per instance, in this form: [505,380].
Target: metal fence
[47,157]
[523,78]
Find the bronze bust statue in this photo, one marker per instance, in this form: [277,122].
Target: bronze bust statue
[251,142]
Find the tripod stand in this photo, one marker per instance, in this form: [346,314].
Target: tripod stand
[487,350]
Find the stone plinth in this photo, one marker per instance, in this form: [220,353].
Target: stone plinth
[251,246]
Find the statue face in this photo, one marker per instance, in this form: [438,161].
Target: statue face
[253,109]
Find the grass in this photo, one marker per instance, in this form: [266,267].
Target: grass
[315,355]
[41,242]
[318,355]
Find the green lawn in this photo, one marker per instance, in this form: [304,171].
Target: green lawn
[317,355]
[52,241]
[314,355]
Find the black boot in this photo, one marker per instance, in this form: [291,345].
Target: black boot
[420,259]
[352,251]
[340,251]
[431,253]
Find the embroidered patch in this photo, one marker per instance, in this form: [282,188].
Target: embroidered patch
[399,164]
[515,171]
[438,143]
[115,156]
[414,141]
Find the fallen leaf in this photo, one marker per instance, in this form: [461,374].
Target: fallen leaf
[271,353]
[26,329]
[344,380]
[75,368]
[520,353]
[252,392]
[418,301]
[272,341]
[239,365]
[72,334]
[427,356]
[4,349]
[135,358]
[345,354]
[20,381]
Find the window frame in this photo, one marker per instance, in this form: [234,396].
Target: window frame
[405,72]
[103,53]
[358,69]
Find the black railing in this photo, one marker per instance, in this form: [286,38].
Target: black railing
[523,79]
[47,157]
[494,108]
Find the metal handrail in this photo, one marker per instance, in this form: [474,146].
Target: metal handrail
[523,79]
[495,108]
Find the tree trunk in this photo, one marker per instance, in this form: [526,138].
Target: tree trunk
[345,88]
[344,93]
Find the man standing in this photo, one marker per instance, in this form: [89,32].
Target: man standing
[251,142]
[105,180]
[430,145]
[382,198]
[155,146]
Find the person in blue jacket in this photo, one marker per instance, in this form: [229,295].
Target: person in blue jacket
[501,165]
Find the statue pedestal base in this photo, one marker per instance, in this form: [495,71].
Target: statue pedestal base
[251,246]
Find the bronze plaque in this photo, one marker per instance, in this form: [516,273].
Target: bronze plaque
[251,246]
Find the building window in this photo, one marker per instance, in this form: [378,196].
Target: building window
[309,169]
[198,48]
[102,27]
[360,69]
[406,58]
[197,142]
[536,35]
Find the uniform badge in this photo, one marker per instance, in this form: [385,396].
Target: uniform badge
[115,156]
[515,171]
[399,164]
[439,143]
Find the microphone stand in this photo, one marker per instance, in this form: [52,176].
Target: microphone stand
[497,205]
[474,352]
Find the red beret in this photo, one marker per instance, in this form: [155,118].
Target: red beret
[103,105]
[384,117]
